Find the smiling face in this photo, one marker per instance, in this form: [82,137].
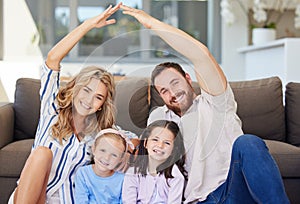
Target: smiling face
[90,97]
[175,90]
[108,153]
[160,144]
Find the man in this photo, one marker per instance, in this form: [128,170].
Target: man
[222,165]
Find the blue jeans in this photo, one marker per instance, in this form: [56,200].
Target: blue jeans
[253,176]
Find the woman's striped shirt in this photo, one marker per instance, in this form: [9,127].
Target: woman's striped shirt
[68,156]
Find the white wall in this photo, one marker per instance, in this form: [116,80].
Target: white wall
[236,36]
[233,37]
[21,55]
[20,34]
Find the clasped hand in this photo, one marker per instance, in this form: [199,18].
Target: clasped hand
[102,19]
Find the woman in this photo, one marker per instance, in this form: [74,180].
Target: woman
[70,118]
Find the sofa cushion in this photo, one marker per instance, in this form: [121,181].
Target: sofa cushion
[132,105]
[260,107]
[292,110]
[26,107]
[287,158]
[6,123]
[13,157]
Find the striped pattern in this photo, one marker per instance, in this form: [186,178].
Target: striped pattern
[69,156]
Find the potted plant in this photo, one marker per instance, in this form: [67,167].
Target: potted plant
[263,16]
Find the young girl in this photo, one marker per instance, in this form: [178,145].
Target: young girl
[70,118]
[99,182]
[159,175]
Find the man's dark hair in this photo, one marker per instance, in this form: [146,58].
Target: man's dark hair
[166,65]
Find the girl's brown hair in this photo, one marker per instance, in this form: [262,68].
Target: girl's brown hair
[177,156]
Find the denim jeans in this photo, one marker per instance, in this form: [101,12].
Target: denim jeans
[253,176]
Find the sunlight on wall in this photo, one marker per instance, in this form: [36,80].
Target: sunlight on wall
[21,36]
[22,56]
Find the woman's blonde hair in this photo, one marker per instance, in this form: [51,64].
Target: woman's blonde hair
[101,119]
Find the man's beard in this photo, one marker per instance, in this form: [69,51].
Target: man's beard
[181,108]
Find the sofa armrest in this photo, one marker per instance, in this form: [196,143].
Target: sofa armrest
[6,124]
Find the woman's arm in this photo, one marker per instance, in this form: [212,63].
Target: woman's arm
[63,47]
[209,74]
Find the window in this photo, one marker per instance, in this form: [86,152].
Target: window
[127,37]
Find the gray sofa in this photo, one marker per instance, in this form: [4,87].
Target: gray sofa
[260,107]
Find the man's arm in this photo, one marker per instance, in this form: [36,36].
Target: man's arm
[208,72]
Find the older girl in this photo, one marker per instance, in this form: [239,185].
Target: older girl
[159,175]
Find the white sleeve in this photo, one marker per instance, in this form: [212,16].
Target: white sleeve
[157,114]
[49,90]
[130,188]
[176,186]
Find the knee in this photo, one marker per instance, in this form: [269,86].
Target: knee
[42,155]
[38,162]
[249,142]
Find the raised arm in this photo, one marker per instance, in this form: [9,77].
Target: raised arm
[208,72]
[63,47]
